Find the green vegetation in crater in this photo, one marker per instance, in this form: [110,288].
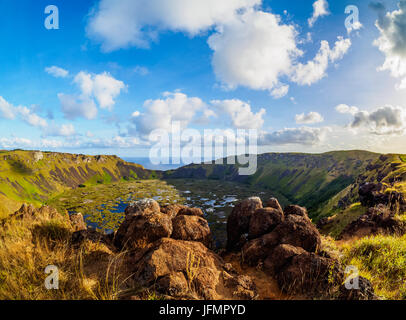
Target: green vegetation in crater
[103,205]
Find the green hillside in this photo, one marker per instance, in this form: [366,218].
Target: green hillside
[32,176]
[310,180]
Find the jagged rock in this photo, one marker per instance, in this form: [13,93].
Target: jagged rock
[295,210]
[188,269]
[309,274]
[377,220]
[298,231]
[172,210]
[243,286]
[264,221]
[274,203]
[254,251]
[77,222]
[192,228]
[364,292]
[142,207]
[169,256]
[26,211]
[173,284]
[142,229]
[280,257]
[239,220]
[190,212]
[29,211]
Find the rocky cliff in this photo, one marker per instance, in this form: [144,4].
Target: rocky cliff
[33,176]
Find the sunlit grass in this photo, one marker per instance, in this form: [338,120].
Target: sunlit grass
[381,259]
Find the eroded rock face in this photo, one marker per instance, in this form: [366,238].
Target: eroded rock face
[274,203]
[377,220]
[309,273]
[299,231]
[77,222]
[172,210]
[182,267]
[142,207]
[142,229]
[373,194]
[192,228]
[289,251]
[170,251]
[365,291]
[239,221]
[264,221]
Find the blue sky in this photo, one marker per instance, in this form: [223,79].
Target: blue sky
[242,64]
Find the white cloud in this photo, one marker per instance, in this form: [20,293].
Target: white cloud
[315,70]
[161,113]
[120,24]
[6,109]
[320,9]
[267,48]
[392,41]
[297,136]
[262,60]
[65,130]
[31,118]
[387,120]
[57,72]
[345,109]
[74,108]
[310,118]
[101,88]
[11,112]
[280,92]
[253,50]
[240,113]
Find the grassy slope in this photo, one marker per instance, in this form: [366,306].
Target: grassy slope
[25,178]
[310,180]
[388,169]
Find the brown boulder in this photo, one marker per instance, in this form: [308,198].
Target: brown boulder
[258,249]
[239,221]
[77,221]
[174,284]
[295,210]
[168,256]
[191,212]
[299,231]
[263,221]
[140,230]
[377,220]
[281,256]
[172,210]
[274,203]
[365,291]
[310,274]
[142,207]
[192,228]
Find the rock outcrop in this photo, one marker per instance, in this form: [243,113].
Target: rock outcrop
[238,222]
[377,220]
[287,246]
[169,250]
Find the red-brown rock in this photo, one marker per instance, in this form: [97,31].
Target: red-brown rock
[192,228]
[264,221]
[239,221]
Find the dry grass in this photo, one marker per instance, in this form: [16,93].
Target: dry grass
[28,246]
